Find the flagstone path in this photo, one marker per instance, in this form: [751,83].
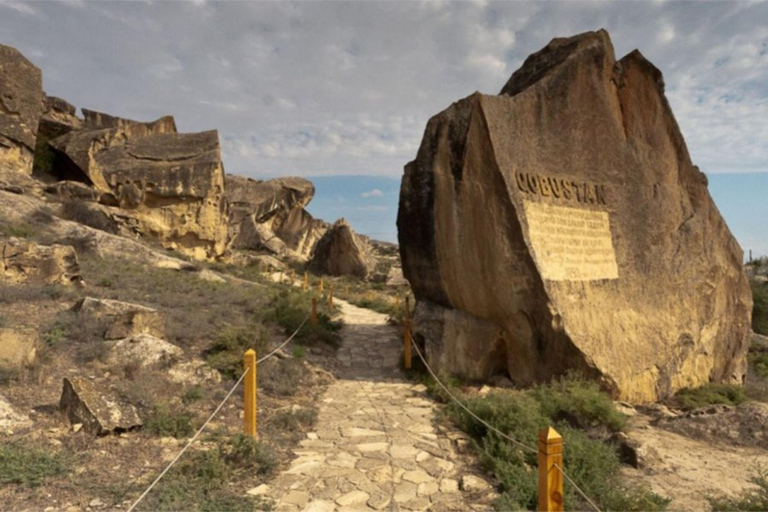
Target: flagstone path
[375,445]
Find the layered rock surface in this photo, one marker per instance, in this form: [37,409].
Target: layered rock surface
[171,183]
[342,253]
[22,261]
[21,99]
[561,225]
[270,215]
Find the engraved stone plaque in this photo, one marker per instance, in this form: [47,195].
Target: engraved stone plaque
[571,244]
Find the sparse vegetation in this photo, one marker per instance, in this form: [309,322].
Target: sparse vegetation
[291,307]
[579,411]
[30,465]
[760,309]
[753,499]
[226,353]
[19,230]
[758,360]
[709,394]
[166,421]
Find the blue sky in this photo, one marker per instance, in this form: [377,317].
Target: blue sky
[332,88]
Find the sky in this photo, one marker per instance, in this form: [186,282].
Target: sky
[330,89]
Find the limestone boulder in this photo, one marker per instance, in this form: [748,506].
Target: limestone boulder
[123,319]
[99,410]
[342,253]
[270,215]
[21,99]
[24,261]
[11,419]
[561,225]
[172,184]
[18,347]
[144,349]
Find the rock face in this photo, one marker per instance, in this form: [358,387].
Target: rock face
[24,261]
[342,253]
[561,225]
[123,319]
[745,424]
[21,98]
[98,410]
[270,215]
[171,183]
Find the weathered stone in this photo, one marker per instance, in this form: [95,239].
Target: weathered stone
[18,347]
[171,183]
[472,483]
[270,215]
[58,118]
[745,424]
[98,410]
[73,190]
[543,228]
[11,420]
[23,261]
[341,252]
[145,350]
[123,319]
[353,498]
[21,99]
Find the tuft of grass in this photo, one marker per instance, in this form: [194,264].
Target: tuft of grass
[750,500]
[294,420]
[30,465]
[193,394]
[760,308]
[226,353]
[758,360]
[299,351]
[166,422]
[569,404]
[710,394]
[281,377]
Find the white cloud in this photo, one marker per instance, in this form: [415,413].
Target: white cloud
[372,193]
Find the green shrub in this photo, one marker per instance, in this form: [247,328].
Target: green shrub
[758,360]
[166,422]
[710,394]
[751,500]
[292,421]
[281,377]
[292,306]
[299,351]
[247,452]
[226,353]
[760,308]
[193,394]
[30,465]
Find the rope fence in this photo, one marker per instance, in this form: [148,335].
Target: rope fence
[216,411]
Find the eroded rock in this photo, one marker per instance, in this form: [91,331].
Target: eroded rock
[146,350]
[745,424]
[561,225]
[23,261]
[11,420]
[97,409]
[18,347]
[21,97]
[341,252]
[123,319]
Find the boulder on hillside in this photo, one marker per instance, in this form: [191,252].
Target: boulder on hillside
[270,215]
[145,349]
[123,319]
[11,419]
[171,184]
[18,347]
[24,261]
[21,97]
[97,409]
[561,225]
[342,253]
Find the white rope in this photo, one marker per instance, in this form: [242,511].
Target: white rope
[577,488]
[200,430]
[460,404]
[197,434]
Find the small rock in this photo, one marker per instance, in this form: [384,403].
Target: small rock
[76,427]
[259,490]
[95,503]
[427,489]
[352,498]
[99,411]
[417,476]
[449,485]
[472,483]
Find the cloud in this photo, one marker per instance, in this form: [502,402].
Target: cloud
[347,88]
[372,193]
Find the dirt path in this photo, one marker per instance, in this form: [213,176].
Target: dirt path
[375,446]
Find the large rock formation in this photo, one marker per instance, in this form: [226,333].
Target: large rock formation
[342,253]
[270,215]
[22,261]
[561,225]
[172,184]
[21,98]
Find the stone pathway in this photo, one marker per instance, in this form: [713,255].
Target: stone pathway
[375,446]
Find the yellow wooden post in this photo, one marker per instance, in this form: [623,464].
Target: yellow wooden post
[397,302]
[320,285]
[313,315]
[550,477]
[407,343]
[305,286]
[330,296]
[346,292]
[407,307]
[249,381]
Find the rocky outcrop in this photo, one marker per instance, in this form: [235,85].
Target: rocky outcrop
[23,261]
[561,225]
[18,347]
[122,319]
[21,98]
[97,409]
[270,215]
[172,184]
[744,425]
[342,253]
[11,419]
[144,349]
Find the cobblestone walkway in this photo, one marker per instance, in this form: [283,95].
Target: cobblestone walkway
[375,446]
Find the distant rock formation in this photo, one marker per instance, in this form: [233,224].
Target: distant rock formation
[21,99]
[561,225]
[342,253]
[270,215]
[172,184]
